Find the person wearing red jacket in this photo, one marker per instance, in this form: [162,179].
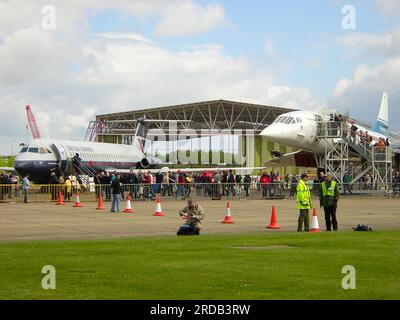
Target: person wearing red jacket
[265,181]
[180,185]
[146,181]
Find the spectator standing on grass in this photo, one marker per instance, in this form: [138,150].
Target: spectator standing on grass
[346,183]
[97,184]
[164,184]
[303,203]
[264,182]
[107,183]
[217,184]
[180,185]
[247,184]
[328,199]
[231,183]
[68,188]
[53,185]
[116,194]
[25,187]
[293,185]
[396,184]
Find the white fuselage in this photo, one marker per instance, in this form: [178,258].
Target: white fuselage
[298,129]
[42,155]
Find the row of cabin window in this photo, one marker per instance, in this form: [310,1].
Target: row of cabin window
[103,156]
[288,120]
[35,150]
[86,155]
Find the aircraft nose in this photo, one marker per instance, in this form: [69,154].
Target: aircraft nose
[272,133]
[22,167]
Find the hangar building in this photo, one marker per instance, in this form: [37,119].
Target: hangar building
[202,119]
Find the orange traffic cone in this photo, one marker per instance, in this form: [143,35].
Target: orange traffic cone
[228,216]
[314,222]
[77,202]
[158,212]
[273,224]
[100,202]
[128,208]
[60,201]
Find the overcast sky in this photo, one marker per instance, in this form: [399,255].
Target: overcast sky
[77,59]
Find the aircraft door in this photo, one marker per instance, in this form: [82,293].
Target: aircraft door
[62,156]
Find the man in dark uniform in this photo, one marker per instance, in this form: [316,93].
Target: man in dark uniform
[53,185]
[194,214]
[328,199]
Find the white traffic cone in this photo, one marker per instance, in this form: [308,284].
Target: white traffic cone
[128,207]
[77,202]
[314,222]
[228,216]
[158,212]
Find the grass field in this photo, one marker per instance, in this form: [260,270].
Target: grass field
[261,266]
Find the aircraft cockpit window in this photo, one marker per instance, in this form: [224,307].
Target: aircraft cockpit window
[288,120]
[299,120]
[33,150]
[25,149]
[44,150]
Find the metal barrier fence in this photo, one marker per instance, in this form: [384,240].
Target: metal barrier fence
[147,192]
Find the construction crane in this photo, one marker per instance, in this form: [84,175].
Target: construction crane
[32,123]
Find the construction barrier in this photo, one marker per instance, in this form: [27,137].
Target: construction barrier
[146,192]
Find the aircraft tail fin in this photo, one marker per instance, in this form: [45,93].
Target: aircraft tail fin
[141,133]
[382,123]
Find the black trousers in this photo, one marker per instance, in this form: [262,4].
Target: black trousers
[330,218]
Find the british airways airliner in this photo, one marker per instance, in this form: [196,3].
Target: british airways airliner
[42,155]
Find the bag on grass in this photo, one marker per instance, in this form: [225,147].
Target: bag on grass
[187,230]
[362,227]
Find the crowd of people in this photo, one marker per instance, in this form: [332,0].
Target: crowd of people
[146,185]
[8,183]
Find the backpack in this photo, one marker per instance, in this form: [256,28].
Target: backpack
[362,227]
[187,230]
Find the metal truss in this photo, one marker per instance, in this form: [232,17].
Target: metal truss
[202,116]
[336,155]
[382,167]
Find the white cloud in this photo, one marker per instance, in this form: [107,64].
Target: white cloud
[126,36]
[187,17]
[388,7]
[341,87]
[359,44]
[362,93]
[177,17]
[68,75]
[270,48]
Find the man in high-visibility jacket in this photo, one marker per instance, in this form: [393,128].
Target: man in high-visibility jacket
[303,203]
[328,199]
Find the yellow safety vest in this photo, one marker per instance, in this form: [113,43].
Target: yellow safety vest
[328,191]
[303,196]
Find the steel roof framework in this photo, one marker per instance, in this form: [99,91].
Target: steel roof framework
[208,115]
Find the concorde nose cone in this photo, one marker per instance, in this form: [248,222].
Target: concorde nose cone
[271,133]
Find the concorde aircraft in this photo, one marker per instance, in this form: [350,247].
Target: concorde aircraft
[298,129]
[42,155]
